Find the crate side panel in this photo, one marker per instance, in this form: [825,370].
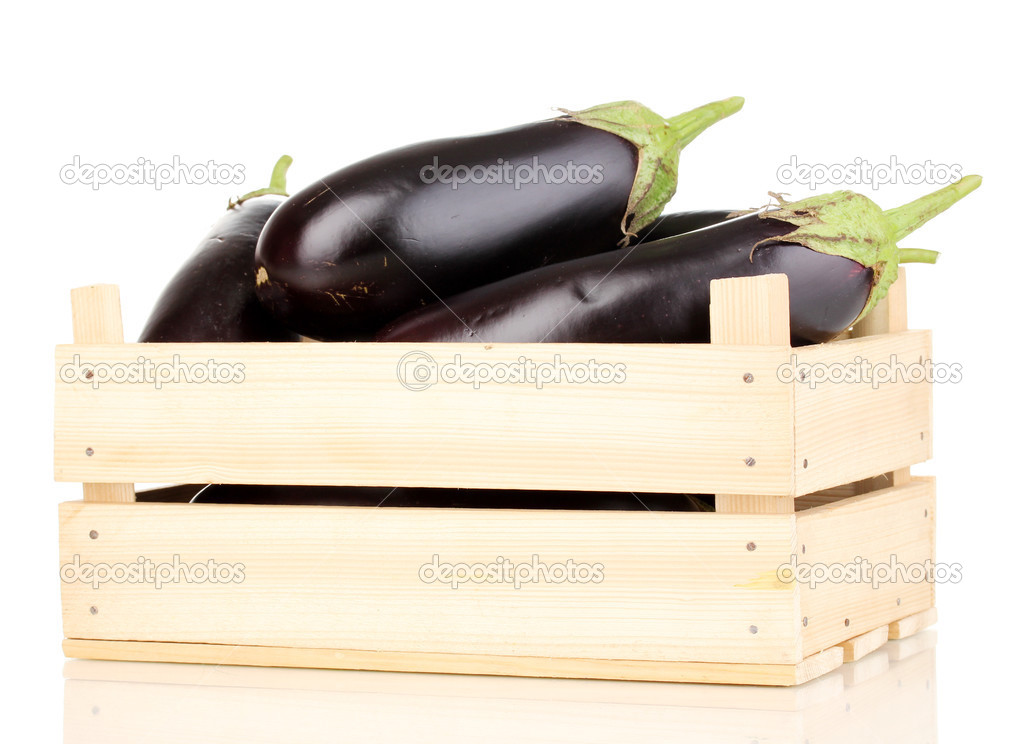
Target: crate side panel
[850,430]
[894,524]
[662,586]
[678,419]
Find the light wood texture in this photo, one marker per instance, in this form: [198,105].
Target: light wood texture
[913,624]
[675,586]
[874,528]
[754,311]
[115,702]
[856,648]
[96,317]
[750,310]
[335,414]
[890,315]
[454,663]
[848,431]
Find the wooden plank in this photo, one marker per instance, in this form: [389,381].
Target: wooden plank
[890,315]
[751,310]
[851,430]
[892,524]
[912,624]
[454,663]
[858,647]
[96,318]
[663,586]
[682,420]
[470,688]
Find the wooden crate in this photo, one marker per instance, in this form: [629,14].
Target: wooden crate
[812,474]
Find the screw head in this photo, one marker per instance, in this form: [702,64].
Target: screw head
[750,462]
[847,622]
[88,374]
[93,534]
[88,451]
[751,546]
[806,621]
[753,629]
[898,601]
[804,550]
[94,610]
[748,377]
[806,464]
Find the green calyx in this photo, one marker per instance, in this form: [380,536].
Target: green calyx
[277,187]
[850,225]
[659,142]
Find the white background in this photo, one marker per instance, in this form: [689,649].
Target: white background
[332,83]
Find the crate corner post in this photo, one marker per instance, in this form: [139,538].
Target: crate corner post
[752,311]
[96,318]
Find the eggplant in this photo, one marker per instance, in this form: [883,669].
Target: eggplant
[213,295]
[402,229]
[462,498]
[679,223]
[838,250]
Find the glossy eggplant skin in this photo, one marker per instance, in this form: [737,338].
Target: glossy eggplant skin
[654,293]
[388,235]
[463,498]
[213,295]
[679,223]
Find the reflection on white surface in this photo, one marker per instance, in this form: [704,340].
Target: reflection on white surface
[888,696]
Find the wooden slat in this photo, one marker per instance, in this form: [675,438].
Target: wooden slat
[96,317]
[683,419]
[349,578]
[873,527]
[913,624]
[851,430]
[890,315]
[453,663]
[751,310]
[858,647]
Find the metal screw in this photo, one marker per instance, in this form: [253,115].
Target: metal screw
[847,622]
[921,436]
[898,601]
[751,546]
[88,374]
[802,375]
[88,451]
[804,550]
[925,513]
[93,534]
[748,377]
[806,464]
[806,621]
[750,462]
[94,610]
[753,629]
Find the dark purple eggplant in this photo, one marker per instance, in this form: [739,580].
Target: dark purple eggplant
[213,296]
[838,250]
[679,223]
[400,230]
[461,498]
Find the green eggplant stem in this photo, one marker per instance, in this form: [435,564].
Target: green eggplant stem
[907,218]
[917,255]
[686,127]
[278,183]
